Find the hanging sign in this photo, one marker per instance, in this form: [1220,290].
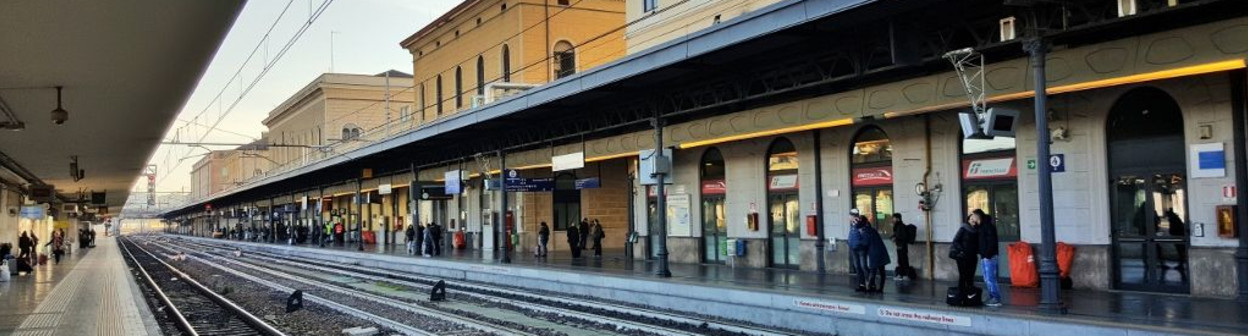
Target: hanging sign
[588,183]
[874,176]
[35,212]
[454,179]
[531,185]
[981,169]
[782,182]
[567,161]
[1208,160]
[714,187]
[384,189]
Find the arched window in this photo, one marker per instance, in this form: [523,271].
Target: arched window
[438,93]
[459,88]
[565,59]
[990,183]
[714,221]
[783,206]
[350,131]
[480,75]
[871,180]
[506,64]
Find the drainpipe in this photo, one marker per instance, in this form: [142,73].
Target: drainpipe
[927,174]
[820,264]
[1238,87]
[628,240]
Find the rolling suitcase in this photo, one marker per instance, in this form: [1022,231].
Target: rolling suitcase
[972,297]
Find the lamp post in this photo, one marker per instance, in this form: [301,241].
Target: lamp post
[1050,284]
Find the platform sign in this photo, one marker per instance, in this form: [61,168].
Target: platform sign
[35,212]
[1058,163]
[831,306]
[927,317]
[513,182]
[1207,160]
[588,183]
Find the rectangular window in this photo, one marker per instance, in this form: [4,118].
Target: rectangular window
[649,5]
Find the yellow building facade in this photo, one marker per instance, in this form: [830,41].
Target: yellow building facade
[509,43]
[658,21]
[335,110]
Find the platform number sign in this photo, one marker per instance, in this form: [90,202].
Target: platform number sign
[1057,162]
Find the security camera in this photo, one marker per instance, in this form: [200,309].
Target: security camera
[59,116]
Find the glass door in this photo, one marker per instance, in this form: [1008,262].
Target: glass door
[784,233]
[1150,233]
[714,230]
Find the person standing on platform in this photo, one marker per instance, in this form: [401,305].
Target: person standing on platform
[574,240]
[965,250]
[903,236]
[598,235]
[437,238]
[543,238]
[988,250]
[410,239]
[858,249]
[877,258]
[583,230]
[24,246]
[426,247]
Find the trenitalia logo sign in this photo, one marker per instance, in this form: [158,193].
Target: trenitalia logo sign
[874,176]
[981,169]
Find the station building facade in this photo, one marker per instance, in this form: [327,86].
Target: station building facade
[1141,127]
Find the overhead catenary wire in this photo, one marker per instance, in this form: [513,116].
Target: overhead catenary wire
[269,66]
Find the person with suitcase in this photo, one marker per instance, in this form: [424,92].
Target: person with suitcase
[965,251]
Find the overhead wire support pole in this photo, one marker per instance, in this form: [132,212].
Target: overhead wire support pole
[660,196]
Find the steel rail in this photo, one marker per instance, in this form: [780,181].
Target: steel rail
[247,317]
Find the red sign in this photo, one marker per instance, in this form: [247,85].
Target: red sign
[714,187]
[990,168]
[874,176]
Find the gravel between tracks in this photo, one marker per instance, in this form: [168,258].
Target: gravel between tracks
[269,304]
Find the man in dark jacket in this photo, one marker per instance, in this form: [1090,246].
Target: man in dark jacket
[410,239]
[437,238]
[902,238]
[583,230]
[574,239]
[988,251]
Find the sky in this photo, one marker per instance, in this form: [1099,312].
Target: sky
[365,34]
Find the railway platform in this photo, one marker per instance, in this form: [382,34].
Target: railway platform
[801,300]
[89,293]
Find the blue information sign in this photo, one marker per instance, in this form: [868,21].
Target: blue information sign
[1057,162]
[588,183]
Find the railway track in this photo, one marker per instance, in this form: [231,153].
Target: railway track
[618,317]
[192,308]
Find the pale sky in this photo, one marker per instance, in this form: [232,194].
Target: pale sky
[366,41]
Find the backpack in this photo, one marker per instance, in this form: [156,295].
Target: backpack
[912,233]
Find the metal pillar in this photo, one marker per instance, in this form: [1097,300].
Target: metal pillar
[820,264]
[632,227]
[660,198]
[359,214]
[1239,87]
[320,217]
[272,226]
[506,236]
[1050,284]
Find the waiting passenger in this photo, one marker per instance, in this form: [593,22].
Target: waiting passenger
[410,240]
[24,246]
[988,251]
[583,230]
[574,239]
[543,238]
[965,251]
[597,235]
[427,247]
[858,249]
[877,258]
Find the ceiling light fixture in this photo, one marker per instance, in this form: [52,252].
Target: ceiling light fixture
[59,115]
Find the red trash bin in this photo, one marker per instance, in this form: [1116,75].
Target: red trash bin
[1065,257]
[1022,265]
